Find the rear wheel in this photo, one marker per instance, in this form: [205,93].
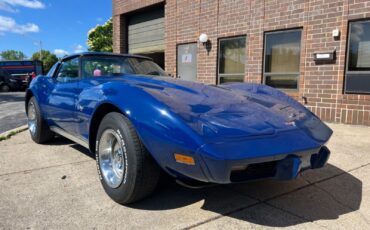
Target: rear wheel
[127,171]
[39,130]
[4,88]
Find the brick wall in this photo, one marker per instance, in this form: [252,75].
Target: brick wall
[322,84]
[126,6]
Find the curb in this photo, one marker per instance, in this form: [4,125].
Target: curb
[6,135]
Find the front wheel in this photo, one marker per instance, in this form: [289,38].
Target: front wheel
[127,171]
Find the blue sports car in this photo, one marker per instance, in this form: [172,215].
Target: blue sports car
[139,122]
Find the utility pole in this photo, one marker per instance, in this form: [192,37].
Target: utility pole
[40,50]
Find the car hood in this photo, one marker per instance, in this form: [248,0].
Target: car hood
[219,112]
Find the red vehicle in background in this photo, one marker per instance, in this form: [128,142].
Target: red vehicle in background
[24,71]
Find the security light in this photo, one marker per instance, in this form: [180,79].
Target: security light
[203,38]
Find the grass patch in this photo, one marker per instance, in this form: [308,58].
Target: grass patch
[12,133]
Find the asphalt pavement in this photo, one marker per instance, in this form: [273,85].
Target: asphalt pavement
[12,112]
[55,186]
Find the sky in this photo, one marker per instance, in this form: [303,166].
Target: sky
[60,25]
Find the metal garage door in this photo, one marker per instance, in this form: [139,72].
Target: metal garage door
[146,32]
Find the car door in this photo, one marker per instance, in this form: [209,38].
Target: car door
[61,101]
[93,70]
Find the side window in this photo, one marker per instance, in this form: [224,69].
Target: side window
[358,58]
[104,67]
[52,70]
[282,59]
[68,70]
[231,59]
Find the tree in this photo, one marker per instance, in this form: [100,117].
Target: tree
[48,59]
[12,55]
[100,38]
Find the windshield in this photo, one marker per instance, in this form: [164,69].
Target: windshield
[116,65]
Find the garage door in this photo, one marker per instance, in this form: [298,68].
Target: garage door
[146,32]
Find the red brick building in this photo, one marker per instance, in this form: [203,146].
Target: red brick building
[317,51]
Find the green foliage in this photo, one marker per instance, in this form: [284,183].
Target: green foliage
[48,59]
[12,55]
[100,38]
[12,133]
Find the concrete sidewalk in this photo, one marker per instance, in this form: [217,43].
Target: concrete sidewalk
[56,186]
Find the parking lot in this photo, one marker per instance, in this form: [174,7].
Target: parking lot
[56,186]
[12,113]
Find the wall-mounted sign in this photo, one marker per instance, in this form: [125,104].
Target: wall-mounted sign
[324,56]
[186,58]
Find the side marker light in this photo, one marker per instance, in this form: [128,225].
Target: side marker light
[184,159]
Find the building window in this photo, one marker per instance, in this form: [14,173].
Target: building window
[282,58]
[358,58]
[231,60]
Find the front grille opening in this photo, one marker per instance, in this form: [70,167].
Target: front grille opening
[254,171]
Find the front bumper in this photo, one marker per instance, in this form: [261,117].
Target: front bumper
[281,167]
[281,156]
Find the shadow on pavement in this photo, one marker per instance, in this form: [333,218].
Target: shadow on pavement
[59,140]
[323,194]
[83,150]
[326,199]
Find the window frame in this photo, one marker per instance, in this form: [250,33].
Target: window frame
[346,69]
[89,58]
[83,59]
[56,72]
[53,70]
[298,74]
[219,75]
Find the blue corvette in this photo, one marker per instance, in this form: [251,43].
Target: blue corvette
[138,121]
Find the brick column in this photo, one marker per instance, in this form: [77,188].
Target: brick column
[120,34]
[170,37]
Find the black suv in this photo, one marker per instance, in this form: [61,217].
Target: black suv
[7,82]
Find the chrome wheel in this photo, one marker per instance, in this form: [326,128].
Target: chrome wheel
[111,158]
[32,119]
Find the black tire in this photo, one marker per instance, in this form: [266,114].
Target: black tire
[141,172]
[41,133]
[4,88]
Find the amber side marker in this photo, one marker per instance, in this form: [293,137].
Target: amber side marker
[180,158]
